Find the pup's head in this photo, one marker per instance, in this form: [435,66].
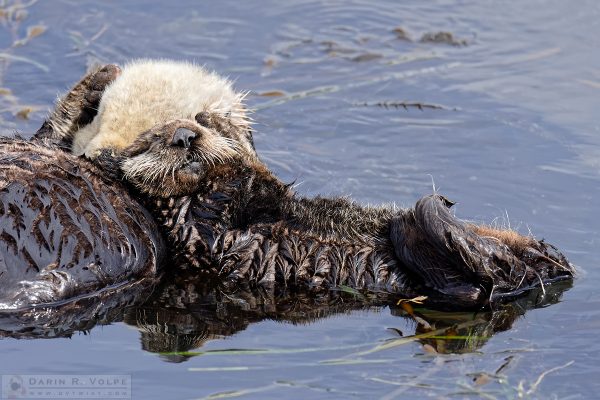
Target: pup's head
[148,93]
[167,123]
[172,159]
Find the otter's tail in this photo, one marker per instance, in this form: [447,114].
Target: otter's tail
[468,265]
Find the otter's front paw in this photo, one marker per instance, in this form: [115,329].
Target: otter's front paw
[92,90]
[78,107]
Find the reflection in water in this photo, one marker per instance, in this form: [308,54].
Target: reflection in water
[184,312]
[78,315]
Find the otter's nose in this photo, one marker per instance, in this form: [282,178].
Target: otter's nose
[183,137]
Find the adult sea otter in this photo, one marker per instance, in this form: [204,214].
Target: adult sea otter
[68,233]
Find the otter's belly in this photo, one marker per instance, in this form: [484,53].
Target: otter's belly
[64,232]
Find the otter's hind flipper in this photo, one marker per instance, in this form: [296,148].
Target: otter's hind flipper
[429,262]
[454,259]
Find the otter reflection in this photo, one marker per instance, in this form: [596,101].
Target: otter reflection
[63,319]
[184,313]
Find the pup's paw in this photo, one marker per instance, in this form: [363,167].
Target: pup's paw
[91,90]
[78,107]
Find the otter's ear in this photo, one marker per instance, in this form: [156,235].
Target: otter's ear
[78,107]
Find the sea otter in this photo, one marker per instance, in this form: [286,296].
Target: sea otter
[224,213]
[67,231]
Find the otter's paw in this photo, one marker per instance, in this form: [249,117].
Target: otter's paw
[469,265]
[78,107]
[92,90]
[430,261]
[543,263]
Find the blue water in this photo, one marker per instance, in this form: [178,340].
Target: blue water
[517,141]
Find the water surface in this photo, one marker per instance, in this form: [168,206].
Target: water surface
[513,138]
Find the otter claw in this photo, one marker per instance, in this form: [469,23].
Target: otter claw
[104,77]
[98,82]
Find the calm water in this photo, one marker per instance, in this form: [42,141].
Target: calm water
[517,140]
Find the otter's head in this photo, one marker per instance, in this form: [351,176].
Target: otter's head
[166,123]
[172,159]
[150,93]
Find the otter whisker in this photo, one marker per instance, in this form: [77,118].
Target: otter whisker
[541,283]
[522,278]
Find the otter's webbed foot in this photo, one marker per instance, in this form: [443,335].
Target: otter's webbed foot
[78,107]
[466,265]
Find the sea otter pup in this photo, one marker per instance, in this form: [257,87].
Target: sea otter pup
[67,232]
[226,214]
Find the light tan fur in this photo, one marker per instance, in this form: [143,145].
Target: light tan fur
[152,92]
[512,239]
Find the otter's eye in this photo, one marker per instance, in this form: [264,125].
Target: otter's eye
[203,118]
[183,138]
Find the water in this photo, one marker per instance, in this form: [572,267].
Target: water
[517,140]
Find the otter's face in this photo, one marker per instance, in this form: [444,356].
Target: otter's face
[172,159]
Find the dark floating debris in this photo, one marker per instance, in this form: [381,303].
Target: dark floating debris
[442,37]
[366,57]
[406,105]
[401,34]
[272,93]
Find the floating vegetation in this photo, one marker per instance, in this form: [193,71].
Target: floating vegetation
[347,289]
[483,378]
[415,300]
[401,34]
[278,384]
[252,352]
[522,390]
[228,394]
[24,112]
[366,57]
[11,57]
[272,93]
[81,43]
[332,362]
[316,91]
[12,15]
[593,84]
[32,32]
[442,37]
[358,48]
[406,105]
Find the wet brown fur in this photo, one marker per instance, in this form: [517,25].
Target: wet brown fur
[225,214]
[68,231]
[231,217]
[65,231]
